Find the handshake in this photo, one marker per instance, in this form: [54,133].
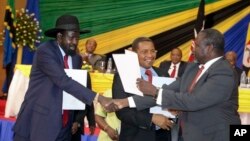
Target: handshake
[111,105]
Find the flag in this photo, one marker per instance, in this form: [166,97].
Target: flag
[199,25]
[9,33]
[9,56]
[33,8]
[246,59]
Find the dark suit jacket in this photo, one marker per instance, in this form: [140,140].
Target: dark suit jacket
[212,105]
[40,116]
[165,65]
[135,125]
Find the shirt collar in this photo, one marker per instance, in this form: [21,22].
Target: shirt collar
[211,62]
[177,65]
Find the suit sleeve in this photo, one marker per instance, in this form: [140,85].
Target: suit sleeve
[144,102]
[49,63]
[131,116]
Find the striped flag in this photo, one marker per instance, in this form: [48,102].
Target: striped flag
[246,58]
[9,33]
[9,47]
[199,25]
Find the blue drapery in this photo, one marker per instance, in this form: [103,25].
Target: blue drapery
[235,38]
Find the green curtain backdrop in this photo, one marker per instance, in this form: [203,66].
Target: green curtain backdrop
[106,15]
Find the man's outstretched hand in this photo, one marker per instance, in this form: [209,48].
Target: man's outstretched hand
[121,103]
[107,103]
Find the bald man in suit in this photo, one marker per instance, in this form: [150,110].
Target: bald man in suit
[174,68]
[89,56]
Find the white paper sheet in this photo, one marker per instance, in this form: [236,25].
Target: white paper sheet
[158,82]
[128,68]
[69,101]
[159,110]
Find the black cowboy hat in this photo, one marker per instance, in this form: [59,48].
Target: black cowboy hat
[65,22]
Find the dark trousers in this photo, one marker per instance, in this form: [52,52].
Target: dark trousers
[162,135]
[65,133]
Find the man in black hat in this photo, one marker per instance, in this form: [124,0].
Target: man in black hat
[41,117]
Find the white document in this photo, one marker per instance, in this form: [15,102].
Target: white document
[69,101]
[129,70]
[159,110]
[158,82]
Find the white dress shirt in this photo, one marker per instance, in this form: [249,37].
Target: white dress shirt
[171,68]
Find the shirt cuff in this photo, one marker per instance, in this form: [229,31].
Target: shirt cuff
[159,98]
[131,102]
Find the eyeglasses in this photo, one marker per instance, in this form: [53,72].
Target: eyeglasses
[144,52]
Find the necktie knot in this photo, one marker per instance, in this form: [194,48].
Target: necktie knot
[149,74]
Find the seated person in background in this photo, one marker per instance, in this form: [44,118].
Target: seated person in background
[108,122]
[79,115]
[174,68]
[231,57]
[89,56]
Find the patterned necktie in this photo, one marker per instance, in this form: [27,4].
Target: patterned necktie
[195,79]
[149,74]
[173,72]
[65,112]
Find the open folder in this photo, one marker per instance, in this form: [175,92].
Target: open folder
[129,70]
[69,101]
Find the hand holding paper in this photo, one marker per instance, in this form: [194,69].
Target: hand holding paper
[162,121]
[128,76]
[146,87]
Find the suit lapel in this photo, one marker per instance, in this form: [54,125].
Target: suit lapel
[58,52]
[74,65]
